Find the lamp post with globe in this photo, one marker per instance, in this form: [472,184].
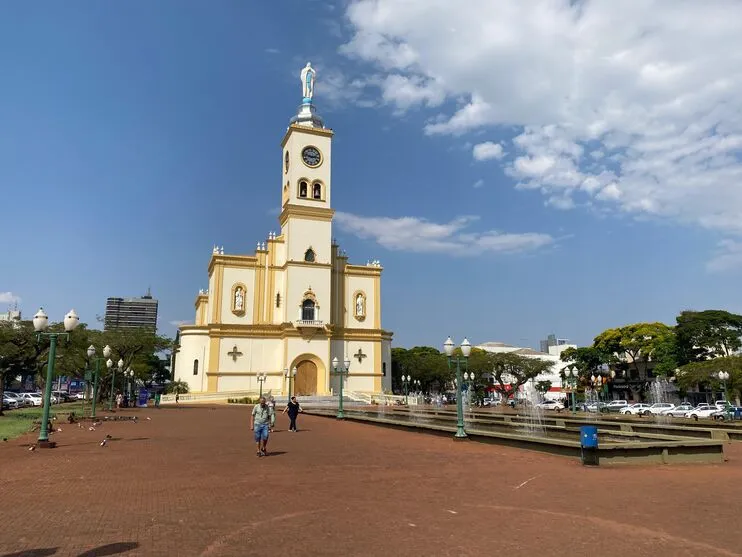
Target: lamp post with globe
[724,377]
[341,371]
[448,348]
[570,377]
[290,375]
[406,385]
[120,366]
[262,376]
[91,356]
[40,324]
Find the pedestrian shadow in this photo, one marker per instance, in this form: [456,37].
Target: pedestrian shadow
[110,549]
[275,453]
[42,552]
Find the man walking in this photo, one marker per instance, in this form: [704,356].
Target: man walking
[262,418]
[293,410]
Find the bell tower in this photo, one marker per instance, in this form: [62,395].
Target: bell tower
[306,210]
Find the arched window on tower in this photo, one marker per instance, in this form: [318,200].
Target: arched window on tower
[303,189]
[278,299]
[317,191]
[309,255]
[307,310]
[195,367]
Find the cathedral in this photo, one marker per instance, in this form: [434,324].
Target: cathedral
[283,313]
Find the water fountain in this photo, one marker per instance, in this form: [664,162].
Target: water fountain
[592,398]
[534,424]
[659,392]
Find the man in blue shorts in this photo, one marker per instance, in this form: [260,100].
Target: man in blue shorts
[263,418]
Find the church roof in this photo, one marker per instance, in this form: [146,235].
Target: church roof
[497,345]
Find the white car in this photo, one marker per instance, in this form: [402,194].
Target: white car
[658,408]
[679,411]
[617,405]
[80,395]
[10,402]
[702,411]
[550,405]
[20,401]
[635,409]
[33,399]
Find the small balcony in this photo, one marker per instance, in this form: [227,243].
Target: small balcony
[305,324]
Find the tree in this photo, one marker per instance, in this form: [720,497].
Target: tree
[706,372]
[511,371]
[634,343]
[703,335]
[424,363]
[543,387]
[587,360]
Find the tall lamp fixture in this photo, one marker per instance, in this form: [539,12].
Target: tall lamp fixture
[40,325]
[448,348]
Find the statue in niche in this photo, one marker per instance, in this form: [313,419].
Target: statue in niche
[239,299]
[360,305]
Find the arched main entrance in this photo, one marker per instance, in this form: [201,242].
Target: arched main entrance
[305,382]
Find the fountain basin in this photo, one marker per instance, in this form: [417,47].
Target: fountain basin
[615,447]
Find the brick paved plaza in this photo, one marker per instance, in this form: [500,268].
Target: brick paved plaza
[187,482]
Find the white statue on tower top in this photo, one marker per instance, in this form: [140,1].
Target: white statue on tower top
[307,82]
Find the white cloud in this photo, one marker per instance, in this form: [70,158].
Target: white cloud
[727,257]
[635,105]
[478,184]
[178,323]
[9,298]
[422,236]
[272,51]
[487,150]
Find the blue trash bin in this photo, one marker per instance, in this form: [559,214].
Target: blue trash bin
[589,437]
[738,412]
[589,444]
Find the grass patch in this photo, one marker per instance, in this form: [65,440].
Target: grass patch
[14,423]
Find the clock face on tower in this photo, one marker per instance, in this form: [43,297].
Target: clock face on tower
[311,156]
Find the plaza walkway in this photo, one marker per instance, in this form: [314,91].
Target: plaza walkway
[187,482]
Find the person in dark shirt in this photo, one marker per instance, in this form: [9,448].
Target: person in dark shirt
[293,408]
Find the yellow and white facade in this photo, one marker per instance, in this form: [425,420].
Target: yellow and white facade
[296,302]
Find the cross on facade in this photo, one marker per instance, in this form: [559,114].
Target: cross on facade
[234,353]
[360,355]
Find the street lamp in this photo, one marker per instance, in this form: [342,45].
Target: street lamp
[40,324]
[120,366]
[724,377]
[571,374]
[129,384]
[406,384]
[448,347]
[289,376]
[261,379]
[341,371]
[91,356]
[469,378]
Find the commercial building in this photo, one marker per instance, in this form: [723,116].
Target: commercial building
[131,313]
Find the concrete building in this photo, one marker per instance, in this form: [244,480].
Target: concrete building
[296,301]
[131,313]
[550,341]
[552,355]
[11,316]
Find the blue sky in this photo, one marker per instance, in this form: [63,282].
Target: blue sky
[509,187]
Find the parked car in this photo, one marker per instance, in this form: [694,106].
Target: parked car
[726,413]
[81,395]
[635,409]
[9,402]
[702,411]
[33,399]
[551,405]
[658,408]
[617,405]
[64,396]
[20,401]
[679,411]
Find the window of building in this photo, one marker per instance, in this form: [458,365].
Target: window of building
[317,191]
[303,189]
[383,369]
[307,310]
[195,367]
[278,300]
[309,255]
